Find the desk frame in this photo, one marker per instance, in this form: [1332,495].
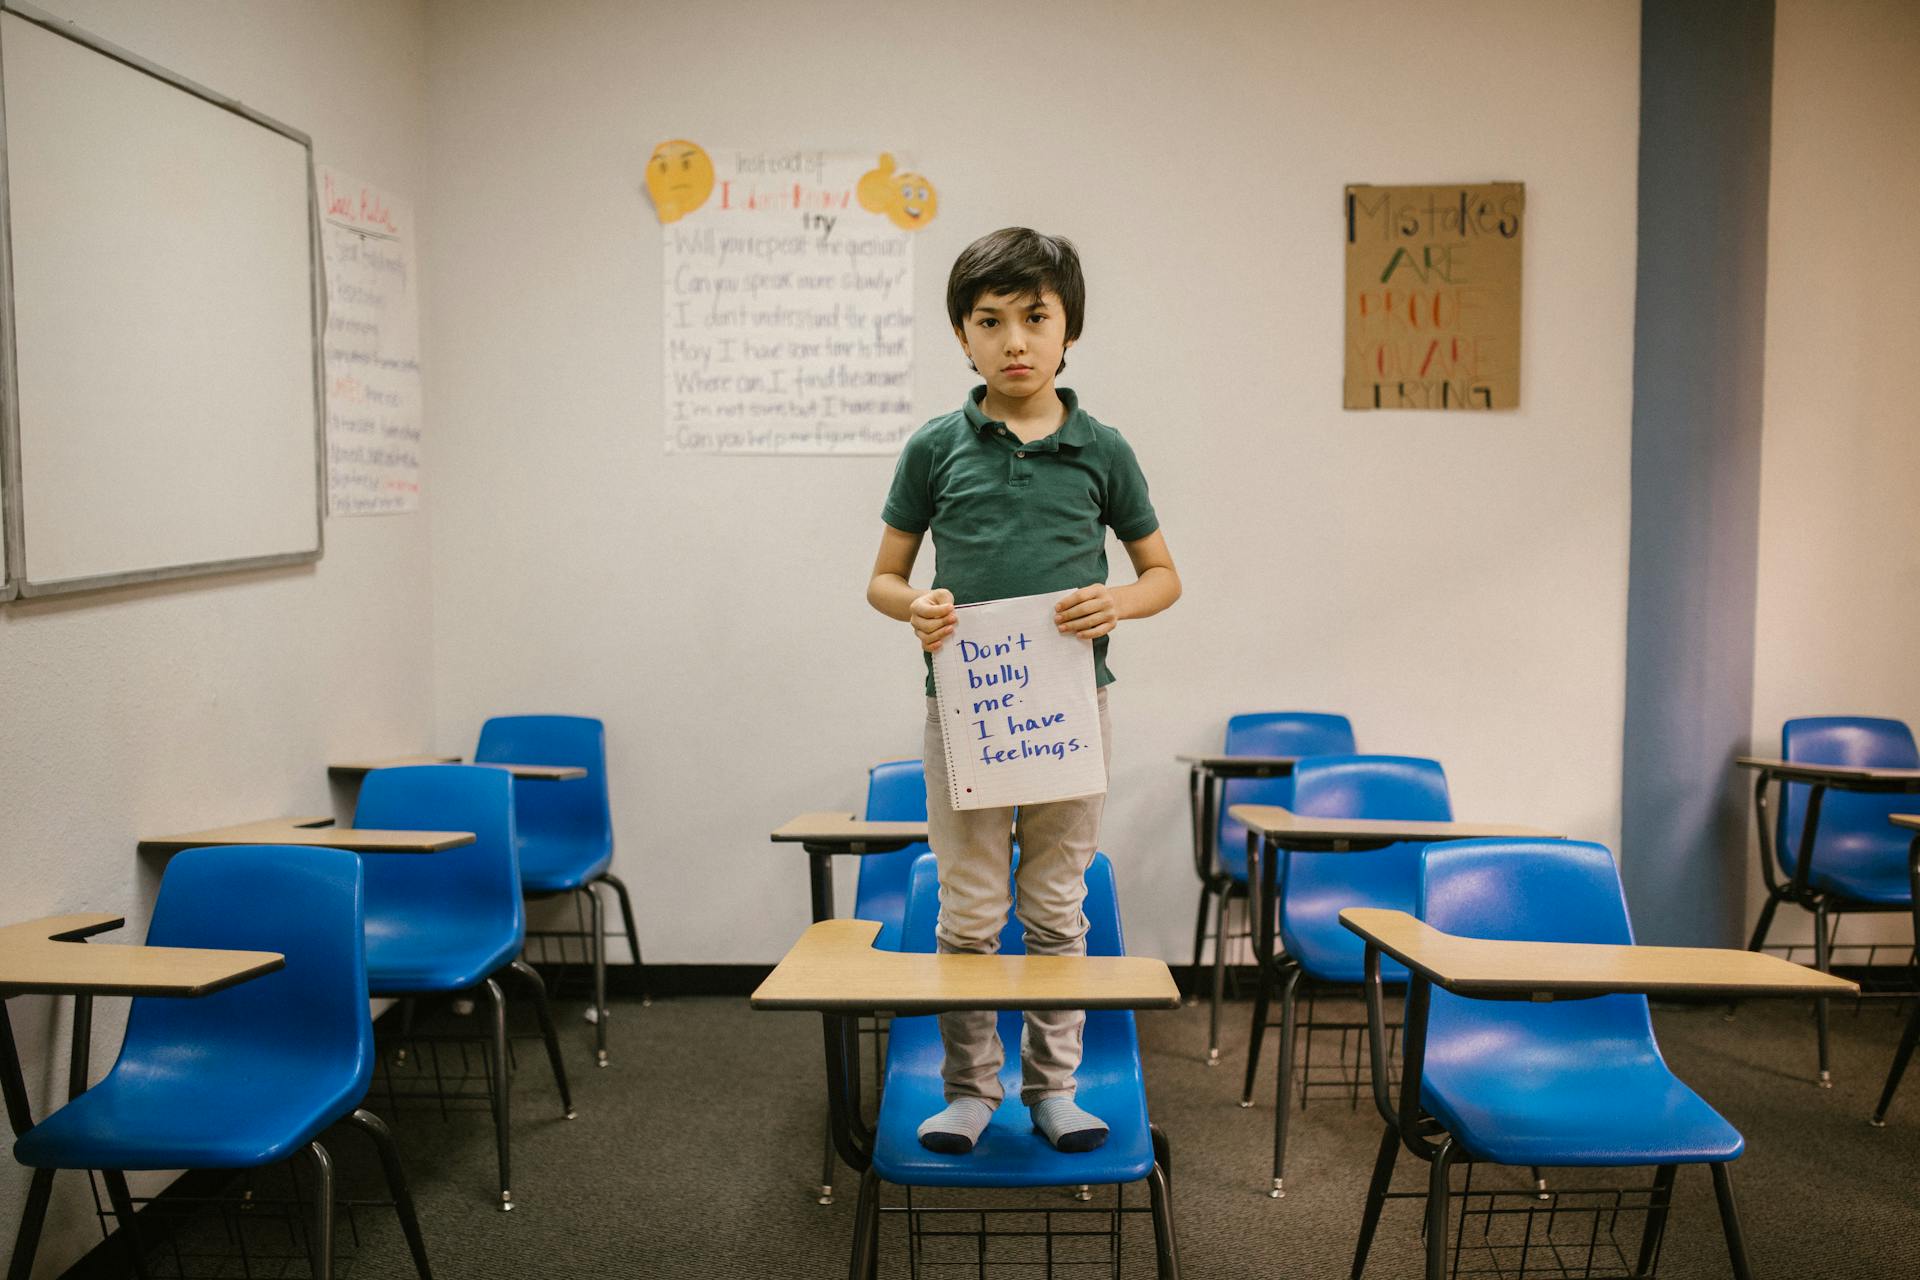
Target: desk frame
[1799,890]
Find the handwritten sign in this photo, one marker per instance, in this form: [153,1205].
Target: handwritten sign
[787,309]
[1018,708]
[372,348]
[1433,296]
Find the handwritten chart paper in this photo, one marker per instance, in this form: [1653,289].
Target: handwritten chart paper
[788,320]
[1018,707]
[1433,296]
[372,348]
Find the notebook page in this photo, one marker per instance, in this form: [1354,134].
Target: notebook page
[1018,710]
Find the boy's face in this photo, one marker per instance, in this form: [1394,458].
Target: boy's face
[1016,341]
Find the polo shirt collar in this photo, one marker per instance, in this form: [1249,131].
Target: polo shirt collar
[1077,430]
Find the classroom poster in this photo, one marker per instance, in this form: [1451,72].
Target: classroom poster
[787,298]
[372,348]
[1433,296]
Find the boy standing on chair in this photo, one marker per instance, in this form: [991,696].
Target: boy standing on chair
[1019,488]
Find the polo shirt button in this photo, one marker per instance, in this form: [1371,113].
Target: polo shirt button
[1019,455]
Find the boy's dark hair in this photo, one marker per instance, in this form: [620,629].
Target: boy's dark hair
[1018,261]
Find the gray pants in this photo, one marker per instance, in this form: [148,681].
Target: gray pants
[974,849]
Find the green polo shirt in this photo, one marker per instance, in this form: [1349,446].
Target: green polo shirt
[1013,519]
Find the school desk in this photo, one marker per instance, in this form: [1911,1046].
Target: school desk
[823,835]
[1819,778]
[353,770]
[49,957]
[834,970]
[1206,775]
[311,832]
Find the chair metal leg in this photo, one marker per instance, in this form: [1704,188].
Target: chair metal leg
[122,1201]
[1200,936]
[389,1152]
[1900,1057]
[633,934]
[1730,1222]
[1162,1151]
[825,1195]
[865,1262]
[1376,1197]
[544,1013]
[26,1241]
[1656,1224]
[1437,1194]
[320,1236]
[498,1000]
[1283,1082]
[1262,996]
[1765,922]
[1166,1248]
[1821,961]
[598,942]
[1219,977]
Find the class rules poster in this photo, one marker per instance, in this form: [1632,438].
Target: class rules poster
[1433,296]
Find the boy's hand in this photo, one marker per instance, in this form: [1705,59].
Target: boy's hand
[1089,613]
[932,618]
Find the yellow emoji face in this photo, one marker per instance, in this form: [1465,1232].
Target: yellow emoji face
[911,201]
[679,178]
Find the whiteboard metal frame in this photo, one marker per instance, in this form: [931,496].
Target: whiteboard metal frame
[16,583]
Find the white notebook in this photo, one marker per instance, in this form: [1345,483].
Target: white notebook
[1017,705]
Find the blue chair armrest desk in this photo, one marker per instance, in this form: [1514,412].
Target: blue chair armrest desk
[1254,767]
[1508,1057]
[1381,807]
[1830,849]
[246,1075]
[835,970]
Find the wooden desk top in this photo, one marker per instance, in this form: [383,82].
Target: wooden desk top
[1832,774]
[538,772]
[835,968]
[1344,834]
[311,833]
[1228,765]
[43,957]
[1542,970]
[1911,821]
[844,828]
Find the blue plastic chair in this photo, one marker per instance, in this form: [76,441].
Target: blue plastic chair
[253,1074]
[1010,1153]
[566,830]
[446,923]
[1859,860]
[1223,877]
[1316,887]
[1569,1082]
[896,792]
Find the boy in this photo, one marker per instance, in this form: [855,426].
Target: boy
[1019,488]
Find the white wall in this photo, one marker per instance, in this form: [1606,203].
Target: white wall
[1455,583]
[142,711]
[1839,567]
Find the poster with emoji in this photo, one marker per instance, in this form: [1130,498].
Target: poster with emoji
[786,297]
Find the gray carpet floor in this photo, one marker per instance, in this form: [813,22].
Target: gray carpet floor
[696,1152]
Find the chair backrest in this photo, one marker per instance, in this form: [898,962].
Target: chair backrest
[1844,815]
[576,810]
[1526,891]
[1278,733]
[310,1016]
[1101,907]
[1356,786]
[479,881]
[896,792]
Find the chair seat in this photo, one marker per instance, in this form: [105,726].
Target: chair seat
[1863,866]
[266,1110]
[1010,1153]
[419,956]
[550,864]
[1311,931]
[1232,850]
[1522,1100]
[888,908]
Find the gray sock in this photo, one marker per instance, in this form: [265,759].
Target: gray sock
[953,1131]
[1066,1126]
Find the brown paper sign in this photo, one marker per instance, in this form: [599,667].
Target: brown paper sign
[1433,296]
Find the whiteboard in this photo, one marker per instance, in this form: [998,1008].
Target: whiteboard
[162,323]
